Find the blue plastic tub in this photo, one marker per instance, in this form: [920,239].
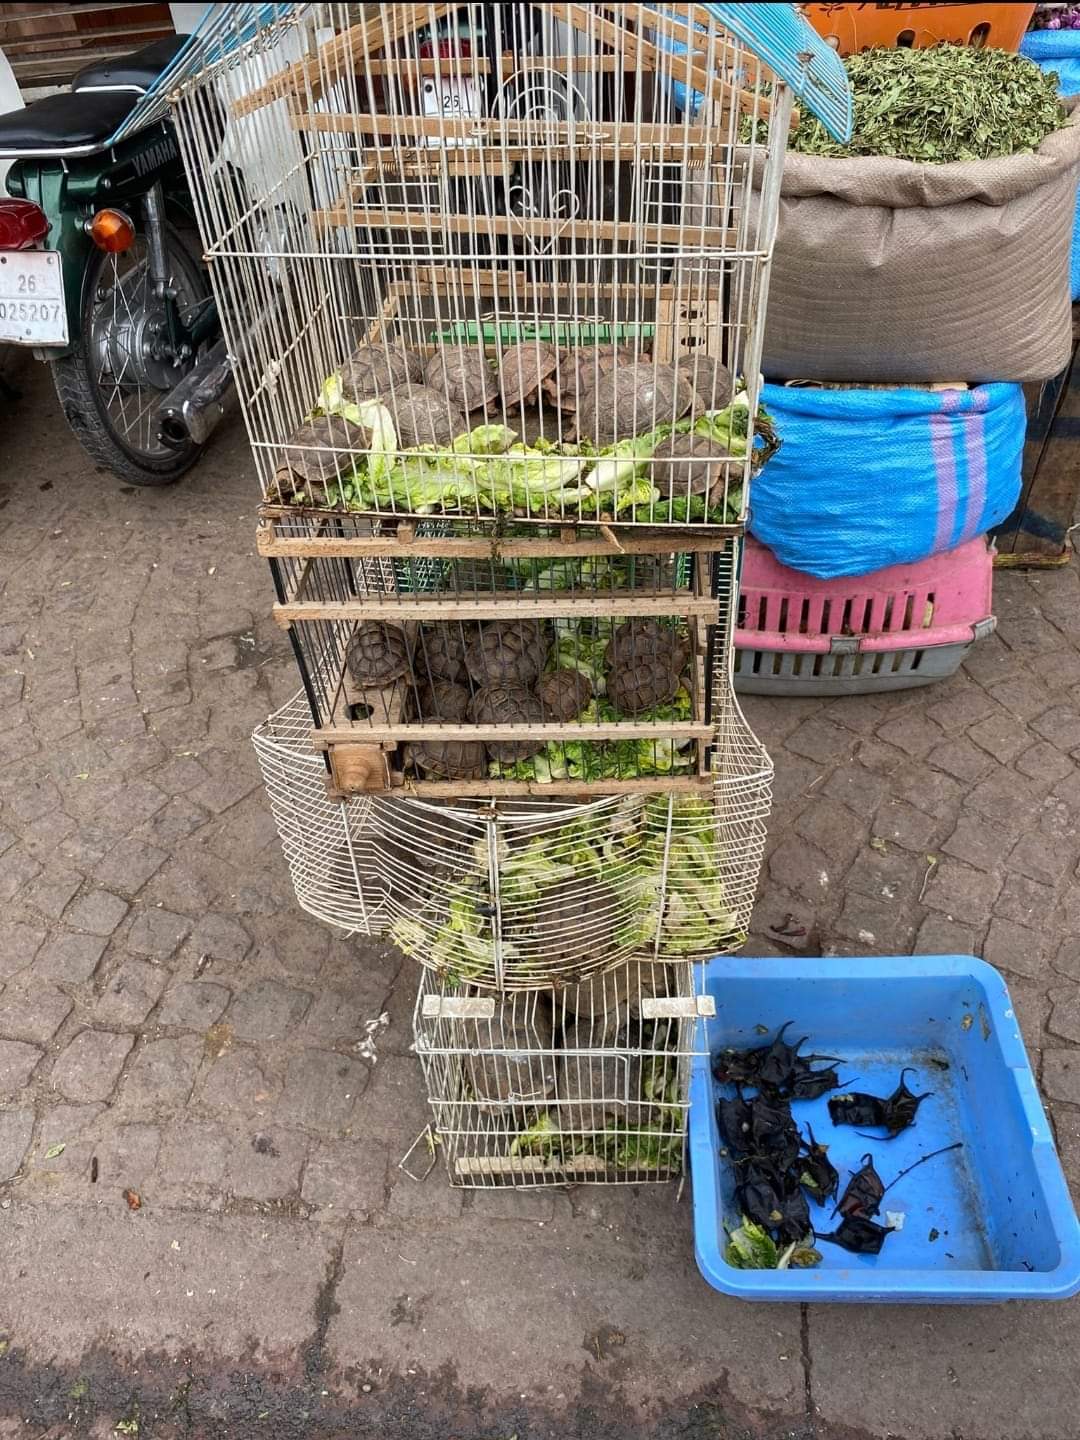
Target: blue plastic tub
[989,1222]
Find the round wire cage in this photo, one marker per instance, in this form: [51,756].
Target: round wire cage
[581,1084]
[515,893]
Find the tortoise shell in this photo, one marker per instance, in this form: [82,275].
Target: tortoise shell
[448,759]
[508,651]
[691,464]
[440,652]
[635,638]
[711,379]
[580,369]
[444,700]
[423,416]
[572,925]
[643,683]
[463,375]
[320,450]
[522,370]
[563,694]
[631,400]
[516,1068]
[508,705]
[375,370]
[378,654]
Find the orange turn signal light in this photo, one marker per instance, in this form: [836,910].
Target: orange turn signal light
[112,231]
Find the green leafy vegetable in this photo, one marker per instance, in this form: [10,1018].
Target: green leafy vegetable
[751,1248]
[942,104]
[490,470]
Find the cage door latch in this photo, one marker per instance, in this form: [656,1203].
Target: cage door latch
[678,1008]
[844,644]
[450,1007]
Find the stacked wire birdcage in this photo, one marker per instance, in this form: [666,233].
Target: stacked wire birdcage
[493,279]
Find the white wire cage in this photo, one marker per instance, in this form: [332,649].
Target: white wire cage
[493,259]
[587,1084]
[511,894]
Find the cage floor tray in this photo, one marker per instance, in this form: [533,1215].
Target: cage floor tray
[990,1221]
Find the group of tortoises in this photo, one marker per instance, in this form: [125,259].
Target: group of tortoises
[601,393]
[498,673]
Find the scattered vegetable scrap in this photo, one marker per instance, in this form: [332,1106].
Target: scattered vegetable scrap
[134,1199]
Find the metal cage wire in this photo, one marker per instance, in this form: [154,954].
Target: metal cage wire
[587,1084]
[514,893]
[508,192]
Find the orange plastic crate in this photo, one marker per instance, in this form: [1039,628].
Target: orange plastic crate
[858,27]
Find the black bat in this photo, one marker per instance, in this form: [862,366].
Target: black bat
[862,1198]
[892,1114]
[817,1173]
[859,1235]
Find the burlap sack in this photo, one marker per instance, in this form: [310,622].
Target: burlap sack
[893,271]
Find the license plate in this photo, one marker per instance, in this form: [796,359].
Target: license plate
[32,309]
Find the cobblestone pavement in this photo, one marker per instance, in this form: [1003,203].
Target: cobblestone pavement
[171,1026]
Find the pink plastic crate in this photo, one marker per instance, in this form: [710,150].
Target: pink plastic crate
[890,630]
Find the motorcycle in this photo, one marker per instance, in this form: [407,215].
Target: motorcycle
[100,272]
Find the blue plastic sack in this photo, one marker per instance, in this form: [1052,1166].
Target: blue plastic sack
[869,478]
[1060,50]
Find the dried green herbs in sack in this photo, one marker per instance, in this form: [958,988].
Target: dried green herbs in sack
[946,103]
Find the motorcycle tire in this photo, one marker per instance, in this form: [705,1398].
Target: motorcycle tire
[80,393]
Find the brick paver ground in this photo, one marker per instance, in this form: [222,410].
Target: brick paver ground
[172,1026]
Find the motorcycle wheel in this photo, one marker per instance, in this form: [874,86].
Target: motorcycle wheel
[111,384]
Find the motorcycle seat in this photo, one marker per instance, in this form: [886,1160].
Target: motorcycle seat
[64,124]
[135,72]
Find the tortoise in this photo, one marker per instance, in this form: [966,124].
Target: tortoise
[522,370]
[634,639]
[645,661]
[445,700]
[643,684]
[440,652]
[690,464]
[632,399]
[513,651]
[463,375]
[572,926]
[563,694]
[378,654]
[448,759]
[423,416]
[616,994]
[597,1088]
[512,1063]
[711,380]
[508,705]
[374,370]
[320,450]
[579,370]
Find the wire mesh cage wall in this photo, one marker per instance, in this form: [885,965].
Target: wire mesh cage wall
[507,895]
[509,665]
[493,259]
[586,1084]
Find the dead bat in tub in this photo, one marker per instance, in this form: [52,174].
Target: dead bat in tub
[892,1114]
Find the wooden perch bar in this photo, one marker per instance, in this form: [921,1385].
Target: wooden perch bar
[553,604]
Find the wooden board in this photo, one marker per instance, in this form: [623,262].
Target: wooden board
[361,216]
[404,545]
[547,606]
